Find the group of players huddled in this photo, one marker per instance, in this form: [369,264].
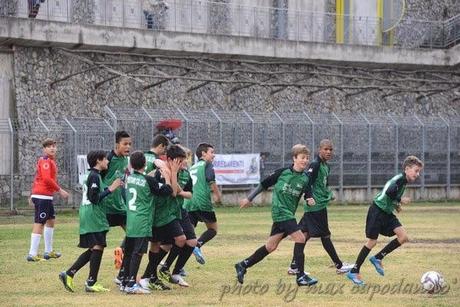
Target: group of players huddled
[158,198]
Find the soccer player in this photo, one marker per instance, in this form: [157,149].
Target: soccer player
[115,204]
[314,222]
[93,224]
[166,228]
[158,149]
[44,186]
[290,183]
[381,220]
[140,194]
[184,253]
[200,205]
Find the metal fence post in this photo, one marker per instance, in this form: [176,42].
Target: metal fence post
[369,156]
[113,117]
[341,158]
[448,181]
[221,145]
[11,164]
[396,142]
[74,160]
[283,131]
[252,131]
[423,153]
[186,126]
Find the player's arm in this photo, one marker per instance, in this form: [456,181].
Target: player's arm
[186,191]
[263,186]
[211,179]
[45,172]
[94,194]
[308,195]
[159,186]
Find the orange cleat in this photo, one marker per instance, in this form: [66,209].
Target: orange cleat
[118,254]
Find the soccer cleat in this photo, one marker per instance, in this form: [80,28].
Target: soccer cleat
[158,285]
[144,283]
[294,271]
[51,254]
[136,289]
[67,281]
[36,258]
[355,278]
[378,265]
[97,287]
[178,280]
[164,274]
[182,272]
[198,255]
[345,268]
[240,271]
[306,280]
[117,280]
[118,254]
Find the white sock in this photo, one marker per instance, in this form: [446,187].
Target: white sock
[48,235]
[34,243]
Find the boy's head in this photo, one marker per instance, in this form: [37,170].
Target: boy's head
[188,157]
[159,144]
[300,156]
[137,160]
[412,167]
[175,152]
[325,149]
[205,152]
[97,159]
[122,143]
[49,147]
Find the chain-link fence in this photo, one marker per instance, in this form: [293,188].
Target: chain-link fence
[368,149]
[197,16]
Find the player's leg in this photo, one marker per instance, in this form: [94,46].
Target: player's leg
[299,259]
[48,235]
[91,284]
[40,218]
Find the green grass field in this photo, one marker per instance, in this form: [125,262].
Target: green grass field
[433,229]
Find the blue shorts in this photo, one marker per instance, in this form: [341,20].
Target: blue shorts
[44,210]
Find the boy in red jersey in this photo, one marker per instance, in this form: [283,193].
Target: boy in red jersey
[44,186]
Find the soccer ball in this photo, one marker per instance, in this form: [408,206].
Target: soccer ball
[432,282]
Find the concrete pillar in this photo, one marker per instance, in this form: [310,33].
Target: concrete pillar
[6,101]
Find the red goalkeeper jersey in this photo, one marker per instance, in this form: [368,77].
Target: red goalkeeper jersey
[45,182]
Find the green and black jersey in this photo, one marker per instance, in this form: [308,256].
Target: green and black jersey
[118,166]
[390,196]
[167,207]
[150,158]
[202,174]
[185,182]
[91,212]
[289,186]
[318,171]
[141,192]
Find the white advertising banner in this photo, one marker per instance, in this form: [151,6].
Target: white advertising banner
[237,169]
[82,167]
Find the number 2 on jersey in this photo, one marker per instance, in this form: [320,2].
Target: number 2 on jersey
[132,201]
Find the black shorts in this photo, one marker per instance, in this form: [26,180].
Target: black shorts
[116,219]
[89,240]
[44,210]
[284,227]
[380,222]
[165,234]
[136,245]
[202,216]
[187,227]
[315,224]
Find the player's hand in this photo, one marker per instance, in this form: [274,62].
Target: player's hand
[405,200]
[244,203]
[31,203]
[218,200]
[63,193]
[165,173]
[115,184]
[175,165]
[398,209]
[159,164]
[311,201]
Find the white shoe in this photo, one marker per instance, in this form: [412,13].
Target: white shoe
[346,267]
[136,289]
[292,271]
[177,279]
[117,281]
[144,283]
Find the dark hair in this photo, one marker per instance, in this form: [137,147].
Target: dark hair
[48,142]
[121,135]
[95,155]
[202,147]
[175,151]
[137,160]
[160,139]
